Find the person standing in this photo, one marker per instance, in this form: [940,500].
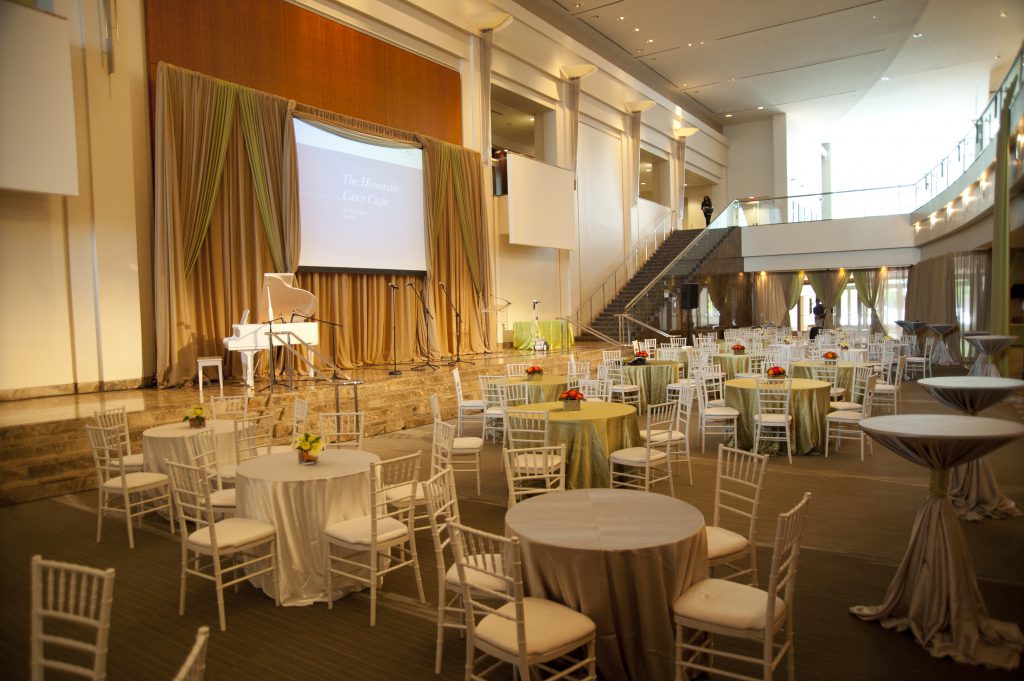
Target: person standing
[819,313]
[705,207]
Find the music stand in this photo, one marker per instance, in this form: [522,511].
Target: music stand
[394,338]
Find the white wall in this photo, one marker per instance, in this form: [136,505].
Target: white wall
[751,160]
[602,242]
[76,260]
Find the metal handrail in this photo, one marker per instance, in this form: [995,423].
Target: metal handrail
[337,379]
[589,329]
[665,270]
[623,317]
[659,229]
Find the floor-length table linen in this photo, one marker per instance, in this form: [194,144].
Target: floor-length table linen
[545,388]
[917,329]
[590,435]
[621,557]
[940,350]
[731,364]
[973,488]
[987,347]
[808,407]
[653,377]
[557,333]
[935,592]
[161,444]
[300,501]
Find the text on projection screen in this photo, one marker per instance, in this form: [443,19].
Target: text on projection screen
[360,205]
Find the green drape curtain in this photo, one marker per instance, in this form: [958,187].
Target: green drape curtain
[869,283]
[791,284]
[828,285]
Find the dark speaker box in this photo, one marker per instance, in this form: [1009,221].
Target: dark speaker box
[688,294]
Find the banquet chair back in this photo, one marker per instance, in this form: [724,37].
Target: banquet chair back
[596,389]
[844,424]
[469,410]
[575,366]
[342,429]
[382,542]
[575,376]
[194,667]
[202,452]
[218,540]
[441,446]
[650,345]
[534,470]
[117,417]
[739,481]
[494,412]
[607,355]
[770,620]
[515,369]
[442,509]
[641,467]
[526,428]
[497,613]
[70,619]
[300,417]
[139,493]
[229,407]
[514,395]
[773,419]
[887,394]
[435,407]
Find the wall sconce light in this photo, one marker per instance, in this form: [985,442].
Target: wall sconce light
[934,217]
[682,133]
[638,105]
[491,20]
[577,70]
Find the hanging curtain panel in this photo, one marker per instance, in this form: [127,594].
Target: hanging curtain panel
[828,286]
[769,299]
[790,284]
[869,283]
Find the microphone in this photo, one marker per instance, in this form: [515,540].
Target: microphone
[391,284]
[411,285]
[535,301]
[441,284]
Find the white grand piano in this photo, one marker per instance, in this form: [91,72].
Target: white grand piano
[281,302]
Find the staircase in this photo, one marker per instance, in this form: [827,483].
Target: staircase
[606,322]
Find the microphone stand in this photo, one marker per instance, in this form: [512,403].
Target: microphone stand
[272,371]
[458,329]
[426,325]
[394,357]
[336,326]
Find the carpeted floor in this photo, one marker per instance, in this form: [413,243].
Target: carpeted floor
[860,518]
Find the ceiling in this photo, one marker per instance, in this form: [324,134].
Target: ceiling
[741,60]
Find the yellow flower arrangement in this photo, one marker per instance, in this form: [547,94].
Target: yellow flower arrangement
[308,447]
[196,416]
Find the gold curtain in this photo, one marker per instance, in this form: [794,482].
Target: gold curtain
[869,283]
[792,284]
[829,285]
[769,298]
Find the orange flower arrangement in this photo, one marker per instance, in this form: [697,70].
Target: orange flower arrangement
[737,347]
[530,371]
[641,353]
[572,394]
[776,372]
[830,355]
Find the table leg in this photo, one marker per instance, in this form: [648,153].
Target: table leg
[935,592]
[975,494]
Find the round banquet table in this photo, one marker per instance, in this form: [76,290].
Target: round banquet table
[973,489]
[987,347]
[167,443]
[653,377]
[294,499]
[935,592]
[916,329]
[621,557]
[844,373]
[853,355]
[731,364]
[940,350]
[590,435]
[546,388]
[808,406]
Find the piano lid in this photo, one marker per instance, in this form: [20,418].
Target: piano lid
[280,298]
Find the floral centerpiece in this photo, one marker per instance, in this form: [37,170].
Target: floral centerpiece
[571,399]
[775,372]
[830,355]
[738,349]
[534,371]
[308,447]
[640,357]
[844,346]
[196,417]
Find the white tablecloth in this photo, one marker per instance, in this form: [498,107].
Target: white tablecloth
[987,347]
[941,354]
[853,355]
[621,557]
[300,501]
[167,442]
[935,591]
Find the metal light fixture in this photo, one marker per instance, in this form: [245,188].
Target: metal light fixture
[577,70]
[638,105]
[491,20]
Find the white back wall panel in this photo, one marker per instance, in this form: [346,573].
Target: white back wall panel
[540,204]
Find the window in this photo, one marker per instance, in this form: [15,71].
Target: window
[707,314]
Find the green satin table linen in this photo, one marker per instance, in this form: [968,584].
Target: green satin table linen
[590,435]
[731,364]
[653,378]
[844,375]
[543,388]
[808,406]
[558,334]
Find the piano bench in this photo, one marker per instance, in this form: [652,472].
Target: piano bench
[204,362]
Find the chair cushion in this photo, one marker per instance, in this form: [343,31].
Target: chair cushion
[132,461]
[494,411]
[400,493]
[720,412]
[884,388]
[634,455]
[227,471]
[477,579]
[838,392]
[723,542]
[625,388]
[471,404]
[773,419]
[135,481]
[720,402]
[847,415]
[549,626]
[531,463]
[468,445]
[357,530]
[727,604]
[844,406]
[659,435]
[233,532]
[223,498]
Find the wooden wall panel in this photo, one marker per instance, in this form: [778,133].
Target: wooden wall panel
[278,47]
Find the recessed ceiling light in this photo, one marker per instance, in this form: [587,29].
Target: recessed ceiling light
[885,78]
[640,50]
[996,57]
[644,183]
[759,108]
[732,80]
[650,40]
[684,84]
[689,44]
[728,115]
[578,5]
[701,42]
[918,35]
[622,18]
[1003,15]
[636,29]
[874,16]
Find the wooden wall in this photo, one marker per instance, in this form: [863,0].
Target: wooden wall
[289,51]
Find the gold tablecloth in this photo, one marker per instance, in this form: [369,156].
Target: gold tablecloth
[731,364]
[653,379]
[808,406]
[844,375]
[557,333]
[590,436]
[546,388]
